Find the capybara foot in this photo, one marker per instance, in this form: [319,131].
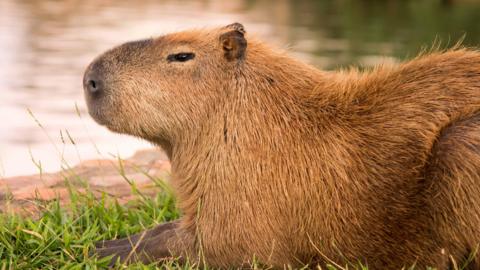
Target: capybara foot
[147,247]
[132,239]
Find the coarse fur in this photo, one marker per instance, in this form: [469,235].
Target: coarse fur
[276,160]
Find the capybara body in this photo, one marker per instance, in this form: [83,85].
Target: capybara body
[278,162]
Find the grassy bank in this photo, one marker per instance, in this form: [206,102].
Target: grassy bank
[62,237]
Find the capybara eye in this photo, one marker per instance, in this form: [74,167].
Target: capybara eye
[180,57]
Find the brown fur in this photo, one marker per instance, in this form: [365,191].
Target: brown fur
[274,159]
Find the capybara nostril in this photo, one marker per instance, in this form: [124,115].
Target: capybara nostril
[93,86]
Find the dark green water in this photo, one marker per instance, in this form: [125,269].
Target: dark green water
[367,28]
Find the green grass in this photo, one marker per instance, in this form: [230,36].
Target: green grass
[62,237]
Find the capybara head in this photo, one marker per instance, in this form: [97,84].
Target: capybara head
[172,78]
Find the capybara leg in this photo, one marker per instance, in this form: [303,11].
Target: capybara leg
[146,250]
[154,246]
[453,191]
[133,239]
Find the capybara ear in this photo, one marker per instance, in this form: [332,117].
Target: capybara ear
[233,42]
[236,26]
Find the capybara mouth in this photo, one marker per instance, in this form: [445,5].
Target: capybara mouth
[105,114]
[96,114]
[99,109]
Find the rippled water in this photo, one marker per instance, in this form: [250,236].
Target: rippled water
[45,46]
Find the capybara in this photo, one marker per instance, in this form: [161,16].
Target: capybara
[277,162]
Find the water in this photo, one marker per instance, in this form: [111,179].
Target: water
[45,46]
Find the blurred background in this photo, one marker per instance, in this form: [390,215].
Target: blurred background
[45,46]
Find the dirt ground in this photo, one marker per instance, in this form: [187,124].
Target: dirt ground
[24,194]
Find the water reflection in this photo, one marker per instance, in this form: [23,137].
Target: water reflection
[45,45]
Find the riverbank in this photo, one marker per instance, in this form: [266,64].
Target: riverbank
[117,178]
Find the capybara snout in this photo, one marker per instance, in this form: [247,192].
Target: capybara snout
[104,79]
